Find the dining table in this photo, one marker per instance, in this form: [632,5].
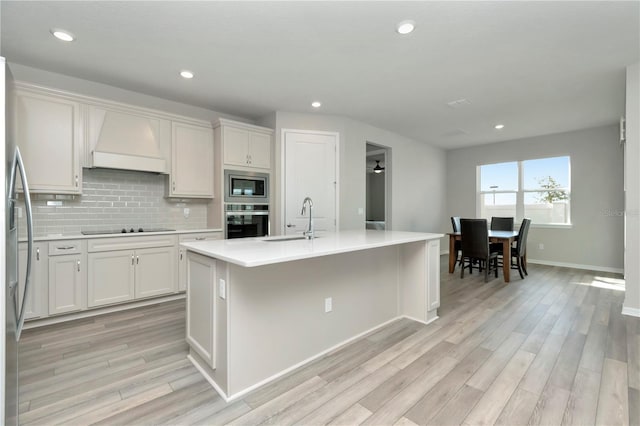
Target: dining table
[504,237]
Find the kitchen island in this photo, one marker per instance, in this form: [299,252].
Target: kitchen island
[259,308]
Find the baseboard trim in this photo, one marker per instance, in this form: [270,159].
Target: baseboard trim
[576,266]
[633,312]
[35,323]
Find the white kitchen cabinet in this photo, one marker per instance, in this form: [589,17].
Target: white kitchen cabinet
[155,271]
[191,161]
[132,267]
[111,277]
[245,145]
[67,277]
[48,131]
[182,254]
[37,305]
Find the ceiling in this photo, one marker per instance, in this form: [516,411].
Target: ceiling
[537,67]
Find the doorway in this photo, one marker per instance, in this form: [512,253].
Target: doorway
[310,170]
[378,211]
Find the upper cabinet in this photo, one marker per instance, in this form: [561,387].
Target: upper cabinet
[48,131]
[191,161]
[244,145]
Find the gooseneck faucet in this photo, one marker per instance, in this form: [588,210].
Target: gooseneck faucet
[309,232]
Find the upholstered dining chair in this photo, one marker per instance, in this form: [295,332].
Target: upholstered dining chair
[501,223]
[455,225]
[519,251]
[475,246]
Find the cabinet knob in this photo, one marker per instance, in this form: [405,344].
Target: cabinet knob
[137,260]
[180,254]
[76,181]
[132,260]
[290,225]
[38,253]
[78,266]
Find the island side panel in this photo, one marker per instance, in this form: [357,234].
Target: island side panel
[420,280]
[277,313]
[207,325]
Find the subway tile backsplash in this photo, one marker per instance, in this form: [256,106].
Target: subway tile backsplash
[114,199]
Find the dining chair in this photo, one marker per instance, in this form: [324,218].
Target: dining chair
[520,250]
[455,224]
[475,247]
[501,223]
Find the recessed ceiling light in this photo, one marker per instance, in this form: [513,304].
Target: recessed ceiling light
[499,126]
[405,27]
[62,35]
[316,104]
[186,74]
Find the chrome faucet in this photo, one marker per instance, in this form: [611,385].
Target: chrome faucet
[309,232]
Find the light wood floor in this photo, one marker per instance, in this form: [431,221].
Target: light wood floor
[551,349]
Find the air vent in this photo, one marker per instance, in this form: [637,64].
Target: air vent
[459,103]
[454,133]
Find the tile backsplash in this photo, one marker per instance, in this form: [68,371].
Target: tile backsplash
[114,199]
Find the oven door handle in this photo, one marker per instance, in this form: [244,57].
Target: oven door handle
[246,213]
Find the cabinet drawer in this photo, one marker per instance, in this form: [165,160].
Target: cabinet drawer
[57,248]
[131,243]
[202,236]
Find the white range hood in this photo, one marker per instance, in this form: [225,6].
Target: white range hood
[121,140]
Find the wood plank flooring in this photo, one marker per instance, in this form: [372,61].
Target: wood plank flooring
[551,349]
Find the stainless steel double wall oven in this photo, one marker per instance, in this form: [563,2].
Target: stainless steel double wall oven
[246,196]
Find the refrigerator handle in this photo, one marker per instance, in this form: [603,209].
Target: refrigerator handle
[18,165]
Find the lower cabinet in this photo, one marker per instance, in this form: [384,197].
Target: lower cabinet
[67,277]
[111,277]
[146,268]
[182,254]
[36,305]
[155,271]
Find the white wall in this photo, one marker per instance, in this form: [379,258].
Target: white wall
[597,198]
[417,172]
[632,180]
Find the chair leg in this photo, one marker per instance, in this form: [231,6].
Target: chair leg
[496,268]
[524,266]
[520,267]
[462,269]
[486,272]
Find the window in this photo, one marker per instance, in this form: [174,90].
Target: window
[538,189]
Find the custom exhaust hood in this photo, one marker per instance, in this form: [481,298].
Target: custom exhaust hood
[120,140]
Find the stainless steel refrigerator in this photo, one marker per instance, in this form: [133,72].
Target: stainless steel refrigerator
[11,311]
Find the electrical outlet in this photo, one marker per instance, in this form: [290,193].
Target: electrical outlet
[186,212]
[360,211]
[540,246]
[222,289]
[328,304]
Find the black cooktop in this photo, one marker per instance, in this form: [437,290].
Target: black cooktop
[125,231]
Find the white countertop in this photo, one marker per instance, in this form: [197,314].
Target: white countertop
[251,252]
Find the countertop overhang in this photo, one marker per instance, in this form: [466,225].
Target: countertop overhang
[251,252]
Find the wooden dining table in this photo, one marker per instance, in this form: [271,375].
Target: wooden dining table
[504,237]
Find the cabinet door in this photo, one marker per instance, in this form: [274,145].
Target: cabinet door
[155,271]
[67,279]
[191,161]
[111,277]
[259,150]
[37,305]
[48,131]
[201,306]
[236,146]
[182,254]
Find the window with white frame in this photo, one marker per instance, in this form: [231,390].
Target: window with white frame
[538,189]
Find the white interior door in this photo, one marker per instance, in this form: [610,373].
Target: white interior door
[310,171]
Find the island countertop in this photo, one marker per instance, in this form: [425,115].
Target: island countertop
[250,252]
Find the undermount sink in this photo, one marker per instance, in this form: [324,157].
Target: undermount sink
[283,238]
